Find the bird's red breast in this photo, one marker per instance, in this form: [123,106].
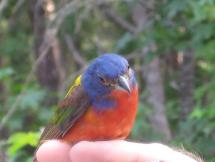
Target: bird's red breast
[111,123]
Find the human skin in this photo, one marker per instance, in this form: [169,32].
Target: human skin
[108,151]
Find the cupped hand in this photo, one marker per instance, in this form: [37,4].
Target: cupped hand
[108,151]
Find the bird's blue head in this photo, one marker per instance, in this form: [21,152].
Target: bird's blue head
[106,73]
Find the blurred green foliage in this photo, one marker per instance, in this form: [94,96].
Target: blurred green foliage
[20,139]
[174,26]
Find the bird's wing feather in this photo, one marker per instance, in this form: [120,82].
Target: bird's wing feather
[70,109]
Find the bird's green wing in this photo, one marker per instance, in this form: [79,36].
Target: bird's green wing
[70,109]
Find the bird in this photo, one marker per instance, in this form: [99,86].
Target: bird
[101,104]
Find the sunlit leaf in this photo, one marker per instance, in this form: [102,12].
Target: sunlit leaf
[21,139]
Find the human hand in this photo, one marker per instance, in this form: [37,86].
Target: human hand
[108,151]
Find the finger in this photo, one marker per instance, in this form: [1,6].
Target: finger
[107,151]
[115,151]
[53,151]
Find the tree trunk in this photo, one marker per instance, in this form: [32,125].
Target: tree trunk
[156,98]
[50,71]
[3,155]
[2,89]
[154,83]
[186,82]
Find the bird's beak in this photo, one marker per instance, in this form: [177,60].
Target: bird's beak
[124,83]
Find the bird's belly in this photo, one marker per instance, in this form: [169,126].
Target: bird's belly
[112,123]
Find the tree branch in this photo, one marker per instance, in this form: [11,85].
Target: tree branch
[3,5]
[134,55]
[75,51]
[3,154]
[51,32]
[186,82]
[117,19]
[17,6]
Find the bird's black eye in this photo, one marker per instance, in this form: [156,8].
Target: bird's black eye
[102,79]
[128,67]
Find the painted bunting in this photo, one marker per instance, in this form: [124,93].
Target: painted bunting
[100,105]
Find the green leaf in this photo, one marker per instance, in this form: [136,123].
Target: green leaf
[197,113]
[21,139]
[5,72]
[207,51]
[174,7]
[123,41]
[32,98]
